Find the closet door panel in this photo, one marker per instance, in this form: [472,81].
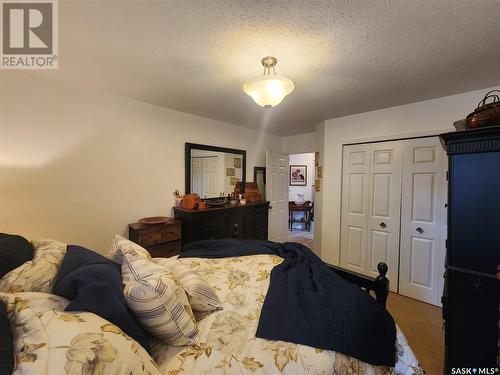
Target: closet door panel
[423,198]
[384,209]
[355,180]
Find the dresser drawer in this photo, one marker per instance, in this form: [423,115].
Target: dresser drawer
[211,235]
[235,226]
[211,222]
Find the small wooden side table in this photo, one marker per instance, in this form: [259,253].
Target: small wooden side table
[306,208]
[161,240]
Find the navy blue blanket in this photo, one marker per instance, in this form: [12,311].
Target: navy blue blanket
[307,303]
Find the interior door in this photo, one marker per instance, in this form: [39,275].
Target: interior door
[423,198]
[277,194]
[384,209]
[354,221]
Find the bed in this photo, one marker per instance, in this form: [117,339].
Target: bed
[228,344]
[227,338]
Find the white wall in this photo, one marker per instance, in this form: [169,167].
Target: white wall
[422,118]
[307,191]
[78,165]
[301,143]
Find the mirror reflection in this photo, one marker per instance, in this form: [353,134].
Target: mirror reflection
[215,174]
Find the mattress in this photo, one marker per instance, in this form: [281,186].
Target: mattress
[228,344]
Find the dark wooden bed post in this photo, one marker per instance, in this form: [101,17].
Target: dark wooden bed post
[381,284]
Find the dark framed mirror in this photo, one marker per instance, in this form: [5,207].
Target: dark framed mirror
[213,171]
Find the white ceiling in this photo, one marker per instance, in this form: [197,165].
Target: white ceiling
[344,56]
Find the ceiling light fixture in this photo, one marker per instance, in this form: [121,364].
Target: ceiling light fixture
[269,90]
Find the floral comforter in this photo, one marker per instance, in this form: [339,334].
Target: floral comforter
[227,338]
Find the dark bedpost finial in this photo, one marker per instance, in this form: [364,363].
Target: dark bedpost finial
[382,284]
[382,269]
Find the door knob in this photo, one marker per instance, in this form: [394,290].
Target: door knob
[420,230]
[383,225]
[270,207]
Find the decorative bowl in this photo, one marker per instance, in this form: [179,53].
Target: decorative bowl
[215,202]
[155,220]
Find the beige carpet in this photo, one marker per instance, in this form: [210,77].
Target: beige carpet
[300,235]
[422,325]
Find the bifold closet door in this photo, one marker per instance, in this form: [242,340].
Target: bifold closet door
[422,222]
[371,193]
[384,203]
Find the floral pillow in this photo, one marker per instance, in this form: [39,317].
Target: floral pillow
[49,340]
[158,301]
[122,246]
[38,274]
[202,297]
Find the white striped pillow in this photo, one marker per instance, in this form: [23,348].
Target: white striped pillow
[122,246]
[202,298]
[158,301]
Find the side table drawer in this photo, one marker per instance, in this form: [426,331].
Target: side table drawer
[171,233]
[153,236]
[165,250]
[149,237]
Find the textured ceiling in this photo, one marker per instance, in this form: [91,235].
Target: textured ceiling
[344,56]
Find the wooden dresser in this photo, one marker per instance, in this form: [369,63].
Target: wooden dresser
[248,221]
[471,291]
[161,240]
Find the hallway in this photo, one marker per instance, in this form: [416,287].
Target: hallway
[301,236]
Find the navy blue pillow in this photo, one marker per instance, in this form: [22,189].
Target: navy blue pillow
[6,344]
[94,283]
[14,251]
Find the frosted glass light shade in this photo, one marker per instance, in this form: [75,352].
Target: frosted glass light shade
[268,91]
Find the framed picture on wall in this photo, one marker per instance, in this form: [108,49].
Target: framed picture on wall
[298,175]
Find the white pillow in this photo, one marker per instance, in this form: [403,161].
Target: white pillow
[122,246]
[202,298]
[48,340]
[38,274]
[158,301]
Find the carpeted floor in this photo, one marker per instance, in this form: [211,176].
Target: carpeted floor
[300,235]
[422,325]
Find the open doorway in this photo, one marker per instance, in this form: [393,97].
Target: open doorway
[301,199]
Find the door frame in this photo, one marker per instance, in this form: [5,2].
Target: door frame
[287,154]
[389,138]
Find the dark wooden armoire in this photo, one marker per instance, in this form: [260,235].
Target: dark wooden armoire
[471,291]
